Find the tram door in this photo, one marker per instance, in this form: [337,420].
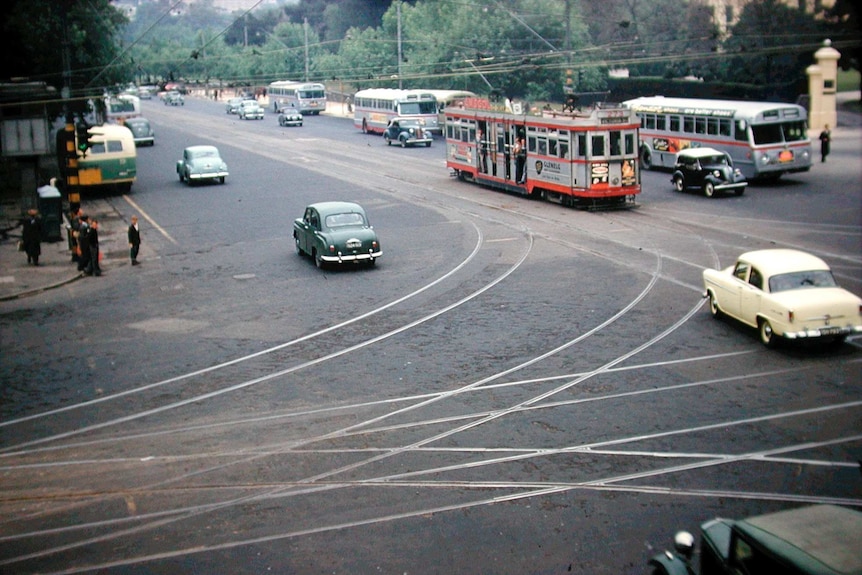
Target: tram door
[504,136]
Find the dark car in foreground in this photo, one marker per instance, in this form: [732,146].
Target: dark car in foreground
[336,233]
[707,170]
[407,132]
[142,131]
[288,116]
[813,540]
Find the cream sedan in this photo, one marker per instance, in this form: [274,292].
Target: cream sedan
[785,294]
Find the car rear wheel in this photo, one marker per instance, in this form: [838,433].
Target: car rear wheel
[403,142]
[388,140]
[678,184]
[317,260]
[296,245]
[708,189]
[740,191]
[767,336]
[713,306]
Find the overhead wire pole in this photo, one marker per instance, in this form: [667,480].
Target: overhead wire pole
[398,11]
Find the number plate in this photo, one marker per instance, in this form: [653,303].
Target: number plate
[830,330]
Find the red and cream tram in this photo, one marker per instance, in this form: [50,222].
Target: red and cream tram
[585,159]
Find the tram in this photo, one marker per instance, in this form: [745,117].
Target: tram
[585,159]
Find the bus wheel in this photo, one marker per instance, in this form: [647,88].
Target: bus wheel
[646,159]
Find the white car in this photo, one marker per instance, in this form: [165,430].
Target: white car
[785,294]
[250,110]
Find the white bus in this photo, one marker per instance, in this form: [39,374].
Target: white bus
[447,98]
[121,107]
[765,139]
[374,107]
[306,97]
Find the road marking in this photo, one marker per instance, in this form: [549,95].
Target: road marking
[153,223]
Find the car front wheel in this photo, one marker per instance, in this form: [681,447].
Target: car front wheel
[767,336]
[708,189]
[388,140]
[403,142]
[678,184]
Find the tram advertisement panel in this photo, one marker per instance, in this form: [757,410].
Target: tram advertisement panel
[599,174]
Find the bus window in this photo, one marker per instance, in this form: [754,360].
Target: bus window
[724,127]
[661,122]
[794,131]
[615,139]
[115,146]
[688,124]
[597,146]
[741,132]
[674,123]
[700,125]
[649,120]
[712,126]
[767,134]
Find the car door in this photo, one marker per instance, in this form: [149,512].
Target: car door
[731,304]
[750,297]
[310,223]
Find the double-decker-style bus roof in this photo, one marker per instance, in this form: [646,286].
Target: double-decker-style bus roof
[717,108]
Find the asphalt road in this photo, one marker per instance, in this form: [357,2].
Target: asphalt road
[516,387]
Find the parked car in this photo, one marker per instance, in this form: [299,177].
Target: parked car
[708,170]
[336,232]
[232,105]
[174,99]
[288,116]
[250,110]
[785,294]
[142,131]
[407,132]
[812,540]
[201,163]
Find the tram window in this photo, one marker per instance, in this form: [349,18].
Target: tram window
[616,141]
[542,146]
[564,150]
[471,135]
[582,146]
[674,123]
[688,124]
[630,144]
[597,146]
[552,148]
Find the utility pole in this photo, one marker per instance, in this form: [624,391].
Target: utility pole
[398,10]
[305,29]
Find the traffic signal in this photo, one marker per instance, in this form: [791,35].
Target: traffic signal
[83,133]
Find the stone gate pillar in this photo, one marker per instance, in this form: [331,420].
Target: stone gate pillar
[822,86]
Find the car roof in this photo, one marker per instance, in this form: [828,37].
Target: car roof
[137,120]
[202,148]
[778,261]
[337,207]
[701,152]
[811,537]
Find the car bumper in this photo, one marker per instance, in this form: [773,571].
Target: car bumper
[416,141]
[826,331]
[208,175]
[342,258]
[730,186]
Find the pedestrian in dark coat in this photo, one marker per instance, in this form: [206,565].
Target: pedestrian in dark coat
[825,141]
[31,235]
[83,242]
[134,240]
[93,241]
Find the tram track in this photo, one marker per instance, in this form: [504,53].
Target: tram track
[369,458]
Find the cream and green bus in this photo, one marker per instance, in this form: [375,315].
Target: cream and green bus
[111,159]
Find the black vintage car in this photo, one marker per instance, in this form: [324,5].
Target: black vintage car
[407,132]
[707,170]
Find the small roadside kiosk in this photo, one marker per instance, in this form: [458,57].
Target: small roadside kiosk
[50,206]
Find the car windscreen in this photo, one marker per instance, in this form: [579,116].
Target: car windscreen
[714,161]
[344,220]
[801,280]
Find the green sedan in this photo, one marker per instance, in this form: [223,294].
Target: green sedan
[336,233]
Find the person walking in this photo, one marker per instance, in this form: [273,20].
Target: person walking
[134,240]
[31,235]
[93,242]
[825,141]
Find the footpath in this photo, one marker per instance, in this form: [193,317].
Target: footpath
[18,279]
